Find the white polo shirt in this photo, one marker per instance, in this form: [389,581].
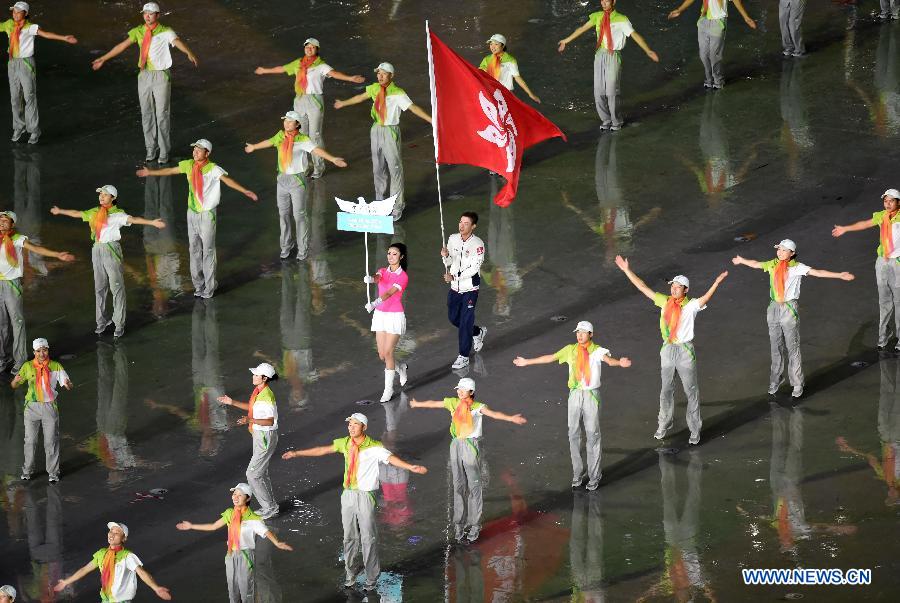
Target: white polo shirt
[124,584]
[396,102]
[26,37]
[464,262]
[115,220]
[620,28]
[7,271]
[251,526]
[264,408]
[795,273]
[371,453]
[477,411]
[212,188]
[315,75]
[159,57]
[689,311]
[716,9]
[509,68]
[303,146]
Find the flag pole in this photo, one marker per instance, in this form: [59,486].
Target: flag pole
[366,243]
[434,129]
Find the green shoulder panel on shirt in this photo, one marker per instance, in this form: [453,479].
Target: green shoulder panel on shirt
[136,34]
[7,26]
[451,404]
[372,89]
[88,214]
[660,299]
[567,354]
[292,68]
[266,395]
[878,216]
[771,264]
[247,515]
[504,58]
[186,166]
[280,136]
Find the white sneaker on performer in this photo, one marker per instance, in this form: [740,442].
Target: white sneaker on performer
[694,439]
[388,386]
[478,340]
[460,362]
[660,433]
[401,371]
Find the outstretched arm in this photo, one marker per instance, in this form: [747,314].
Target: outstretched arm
[838,231]
[160,224]
[269,70]
[844,276]
[61,38]
[317,451]
[708,295]
[545,359]
[145,171]
[739,261]
[262,144]
[114,52]
[338,161]
[279,543]
[356,79]
[623,361]
[201,527]
[521,82]
[740,7]
[677,12]
[426,404]
[84,571]
[419,112]
[229,401]
[71,213]
[518,419]
[184,48]
[398,462]
[161,591]
[639,40]
[232,183]
[623,265]
[47,253]
[561,45]
[353,100]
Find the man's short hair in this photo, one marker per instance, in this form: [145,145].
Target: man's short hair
[473,216]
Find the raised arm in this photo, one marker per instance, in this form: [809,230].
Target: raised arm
[396,461]
[844,276]
[70,213]
[545,359]
[232,183]
[160,224]
[623,265]
[356,79]
[114,52]
[317,451]
[639,40]
[518,419]
[353,100]
[708,295]
[184,48]
[740,261]
[60,38]
[740,8]
[262,144]
[524,86]
[161,591]
[47,253]
[677,12]
[561,45]
[419,112]
[838,231]
[145,171]
[438,404]
[201,527]
[338,161]
[269,70]
[84,571]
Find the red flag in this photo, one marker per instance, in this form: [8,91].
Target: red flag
[480,122]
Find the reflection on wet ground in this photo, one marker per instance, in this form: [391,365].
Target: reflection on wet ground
[787,149]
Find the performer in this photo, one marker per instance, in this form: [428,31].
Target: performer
[388,317]
[204,193]
[41,412]
[887,263]
[243,527]
[106,221]
[503,66]
[12,264]
[262,422]
[309,74]
[119,569]
[465,454]
[154,81]
[785,276]
[22,74]
[711,35]
[361,457]
[676,323]
[388,101]
[462,258]
[585,360]
[291,190]
[613,29]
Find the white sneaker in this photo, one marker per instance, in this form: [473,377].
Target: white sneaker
[460,362]
[660,433]
[478,340]
[695,439]
[401,371]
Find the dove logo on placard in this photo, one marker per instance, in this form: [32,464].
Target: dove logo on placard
[502,130]
[376,208]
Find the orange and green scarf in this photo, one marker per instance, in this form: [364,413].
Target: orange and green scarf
[462,418]
[42,389]
[381,104]
[887,233]
[302,81]
[606,31]
[145,44]
[256,391]
[352,463]
[583,363]
[234,530]
[494,65]
[100,220]
[672,316]
[9,248]
[779,280]
[14,37]
[197,180]
[286,151]
[108,571]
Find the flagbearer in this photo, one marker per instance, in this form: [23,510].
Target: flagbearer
[12,263]
[388,101]
[711,35]
[503,66]
[21,70]
[309,74]
[362,454]
[204,193]
[41,412]
[106,221]
[613,29]
[291,191]
[676,323]
[465,454]
[887,263]
[243,527]
[783,315]
[154,81]
[585,360]
[462,258]
[119,570]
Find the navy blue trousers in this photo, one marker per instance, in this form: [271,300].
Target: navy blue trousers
[461,312]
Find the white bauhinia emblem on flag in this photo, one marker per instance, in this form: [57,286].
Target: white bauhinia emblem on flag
[502,131]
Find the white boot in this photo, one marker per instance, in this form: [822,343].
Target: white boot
[401,371]
[388,385]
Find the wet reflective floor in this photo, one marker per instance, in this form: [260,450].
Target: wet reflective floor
[787,149]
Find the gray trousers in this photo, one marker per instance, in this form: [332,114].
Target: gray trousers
[465,468]
[291,195]
[784,340]
[311,108]
[202,249]
[239,575]
[711,39]
[387,163]
[790,17]
[584,406]
[360,534]
[23,95]
[680,358]
[12,318]
[890,8]
[607,68]
[108,277]
[264,444]
[887,277]
[42,416]
[154,94]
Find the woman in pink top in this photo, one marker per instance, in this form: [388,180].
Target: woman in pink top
[388,319]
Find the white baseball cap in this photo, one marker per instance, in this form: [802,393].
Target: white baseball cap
[312,41]
[109,189]
[292,115]
[6,589]
[681,280]
[203,144]
[10,214]
[787,244]
[359,417]
[150,7]
[265,369]
[585,326]
[20,6]
[891,192]
[245,488]
[121,526]
[385,67]
[39,343]
[467,384]
[498,38]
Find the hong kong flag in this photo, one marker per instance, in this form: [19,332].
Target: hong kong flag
[477,121]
